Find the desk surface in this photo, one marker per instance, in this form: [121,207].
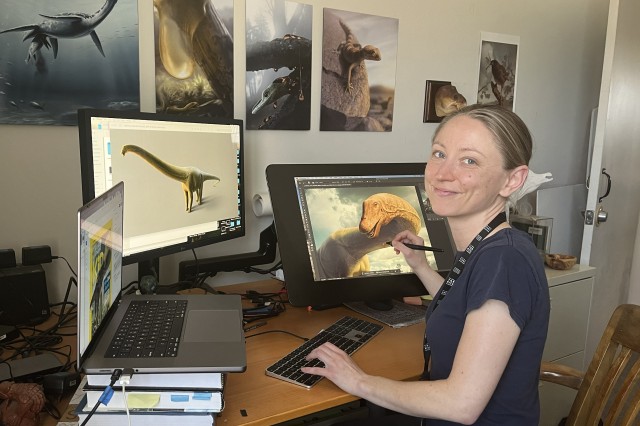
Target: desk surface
[253,398]
[394,353]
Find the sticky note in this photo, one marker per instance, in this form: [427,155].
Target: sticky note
[202,396]
[143,400]
[179,398]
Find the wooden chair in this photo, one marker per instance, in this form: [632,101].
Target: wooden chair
[609,392]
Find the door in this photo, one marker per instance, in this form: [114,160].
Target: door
[608,245]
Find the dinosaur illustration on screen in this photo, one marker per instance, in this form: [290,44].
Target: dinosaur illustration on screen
[344,252]
[191,178]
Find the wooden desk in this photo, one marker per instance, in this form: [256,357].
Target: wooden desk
[253,398]
[394,353]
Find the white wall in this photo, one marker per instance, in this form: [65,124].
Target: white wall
[561,49]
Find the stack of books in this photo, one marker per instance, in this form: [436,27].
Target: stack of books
[188,399]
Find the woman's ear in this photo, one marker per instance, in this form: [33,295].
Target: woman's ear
[516,180]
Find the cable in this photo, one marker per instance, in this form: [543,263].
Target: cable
[106,394]
[125,379]
[277,331]
[68,264]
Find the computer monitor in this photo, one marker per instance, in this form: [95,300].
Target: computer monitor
[333,222]
[184,177]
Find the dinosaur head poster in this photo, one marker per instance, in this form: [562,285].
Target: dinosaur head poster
[56,57]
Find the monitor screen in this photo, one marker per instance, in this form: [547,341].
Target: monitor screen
[184,177]
[333,223]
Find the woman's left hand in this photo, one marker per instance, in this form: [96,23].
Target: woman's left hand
[338,367]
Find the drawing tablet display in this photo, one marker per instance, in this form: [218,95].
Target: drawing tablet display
[333,222]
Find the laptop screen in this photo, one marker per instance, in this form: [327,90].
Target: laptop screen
[99,261]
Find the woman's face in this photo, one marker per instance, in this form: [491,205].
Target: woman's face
[464,174]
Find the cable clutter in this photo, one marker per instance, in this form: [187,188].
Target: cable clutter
[34,358]
[267,305]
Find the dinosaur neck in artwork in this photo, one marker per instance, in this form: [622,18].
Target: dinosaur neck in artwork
[174,172]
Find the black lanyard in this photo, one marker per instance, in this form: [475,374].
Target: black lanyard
[453,275]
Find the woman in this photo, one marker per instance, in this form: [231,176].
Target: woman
[486,332]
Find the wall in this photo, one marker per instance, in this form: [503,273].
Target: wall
[561,49]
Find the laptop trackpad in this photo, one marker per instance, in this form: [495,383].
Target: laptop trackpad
[212,326]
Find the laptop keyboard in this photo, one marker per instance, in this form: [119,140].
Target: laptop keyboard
[149,329]
[348,333]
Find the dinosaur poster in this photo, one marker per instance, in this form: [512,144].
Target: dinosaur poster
[59,56]
[278,79]
[498,66]
[194,57]
[358,71]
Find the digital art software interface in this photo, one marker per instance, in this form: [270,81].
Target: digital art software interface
[349,220]
[182,178]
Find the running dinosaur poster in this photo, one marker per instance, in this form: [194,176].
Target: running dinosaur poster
[358,71]
[278,65]
[58,56]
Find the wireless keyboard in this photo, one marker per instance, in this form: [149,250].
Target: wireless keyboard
[348,333]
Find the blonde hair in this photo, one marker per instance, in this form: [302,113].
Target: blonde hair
[509,132]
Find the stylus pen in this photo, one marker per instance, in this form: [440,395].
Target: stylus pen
[419,247]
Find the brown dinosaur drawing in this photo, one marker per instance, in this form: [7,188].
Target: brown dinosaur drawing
[344,252]
[191,178]
[354,54]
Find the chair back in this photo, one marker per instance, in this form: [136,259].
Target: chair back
[610,390]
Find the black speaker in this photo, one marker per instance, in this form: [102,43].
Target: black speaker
[23,295]
[7,258]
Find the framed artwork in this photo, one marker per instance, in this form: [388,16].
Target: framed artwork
[278,77]
[63,55]
[358,77]
[194,57]
[441,98]
[429,101]
[497,73]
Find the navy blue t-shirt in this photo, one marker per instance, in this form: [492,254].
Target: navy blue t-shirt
[508,268]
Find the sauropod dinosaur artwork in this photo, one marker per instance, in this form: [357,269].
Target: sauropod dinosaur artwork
[344,252]
[191,178]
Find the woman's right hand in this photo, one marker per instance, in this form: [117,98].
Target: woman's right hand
[416,259]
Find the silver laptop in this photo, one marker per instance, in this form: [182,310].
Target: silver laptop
[211,338]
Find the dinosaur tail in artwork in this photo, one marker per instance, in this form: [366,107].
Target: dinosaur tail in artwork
[174,172]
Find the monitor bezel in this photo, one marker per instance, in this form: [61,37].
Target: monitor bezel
[88,184]
[302,289]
